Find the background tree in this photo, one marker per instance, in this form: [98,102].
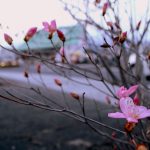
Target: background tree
[122,29]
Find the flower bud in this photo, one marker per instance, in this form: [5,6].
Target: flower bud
[61,35]
[141,147]
[30,34]
[113,134]
[58,82]
[105,6]
[75,95]
[26,75]
[136,100]
[8,39]
[122,37]
[38,68]
[129,126]
[148,56]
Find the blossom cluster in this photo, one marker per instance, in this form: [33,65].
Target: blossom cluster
[49,27]
[129,106]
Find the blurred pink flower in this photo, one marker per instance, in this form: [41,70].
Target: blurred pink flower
[30,33]
[124,92]
[130,111]
[8,39]
[52,27]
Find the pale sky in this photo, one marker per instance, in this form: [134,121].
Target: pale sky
[22,14]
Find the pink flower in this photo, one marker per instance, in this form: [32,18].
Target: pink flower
[30,33]
[8,39]
[124,92]
[130,111]
[52,27]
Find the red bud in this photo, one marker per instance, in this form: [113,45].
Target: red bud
[30,34]
[26,75]
[105,6]
[141,147]
[136,100]
[38,68]
[8,39]
[122,37]
[61,35]
[75,95]
[113,134]
[129,126]
[58,82]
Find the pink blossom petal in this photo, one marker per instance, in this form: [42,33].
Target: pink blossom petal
[105,6]
[46,26]
[116,115]
[53,26]
[130,119]
[132,89]
[124,92]
[119,93]
[141,109]
[143,112]
[126,104]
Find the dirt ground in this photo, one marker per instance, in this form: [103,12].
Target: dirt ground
[28,128]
